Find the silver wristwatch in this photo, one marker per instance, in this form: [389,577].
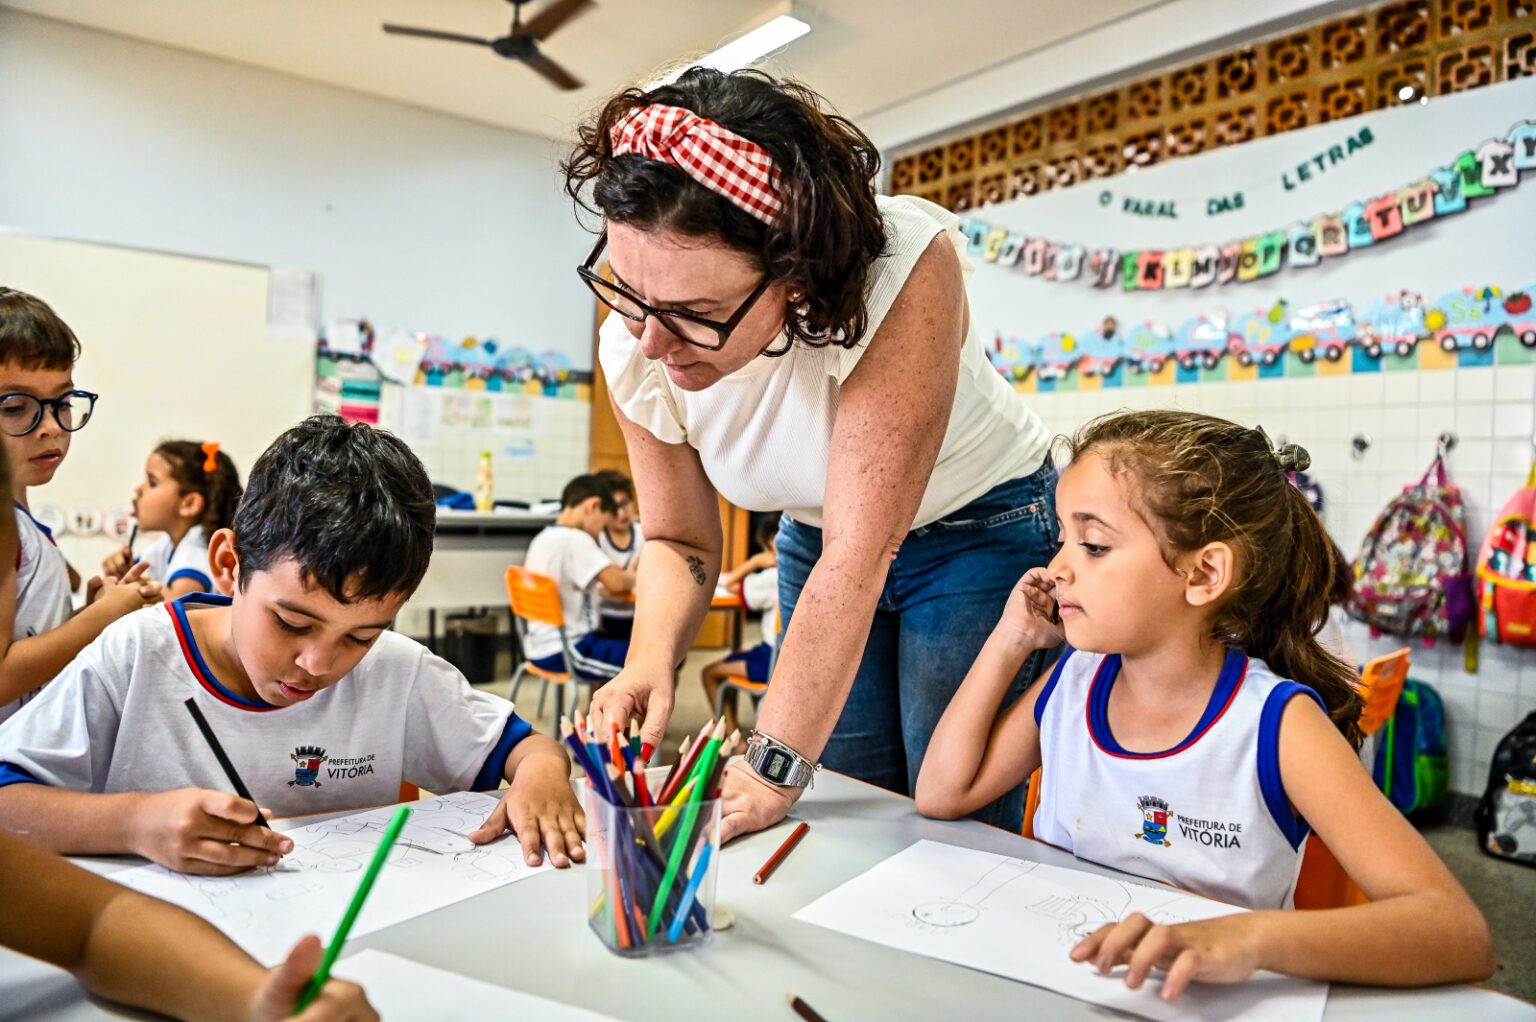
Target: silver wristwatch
[778,764]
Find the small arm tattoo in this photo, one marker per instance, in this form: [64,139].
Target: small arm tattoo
[696,568]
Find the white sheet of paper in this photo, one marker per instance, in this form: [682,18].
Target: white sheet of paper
[292,304]
[402,990]
[344,337]
[1017,918]
[398,355]
[433,864]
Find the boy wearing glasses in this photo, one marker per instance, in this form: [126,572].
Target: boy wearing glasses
[40,408]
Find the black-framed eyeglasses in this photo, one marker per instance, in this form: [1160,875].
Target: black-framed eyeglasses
[20,414]
[695,330]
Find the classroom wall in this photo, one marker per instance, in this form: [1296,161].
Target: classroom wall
[413,219]
[1402,409]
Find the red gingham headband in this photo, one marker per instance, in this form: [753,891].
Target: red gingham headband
[719,159]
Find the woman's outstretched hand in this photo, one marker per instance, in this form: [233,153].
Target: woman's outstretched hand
[636,693]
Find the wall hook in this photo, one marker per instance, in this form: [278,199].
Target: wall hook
[1359,445]
[1445,443]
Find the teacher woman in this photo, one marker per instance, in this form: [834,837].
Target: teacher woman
[788,339]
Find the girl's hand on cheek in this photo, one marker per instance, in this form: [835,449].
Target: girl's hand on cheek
[1030,614]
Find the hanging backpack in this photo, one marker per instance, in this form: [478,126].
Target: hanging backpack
[1412,769]
[1506,816]
[1411,576]
[1506,572]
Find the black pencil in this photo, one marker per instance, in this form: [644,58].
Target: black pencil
[218,752]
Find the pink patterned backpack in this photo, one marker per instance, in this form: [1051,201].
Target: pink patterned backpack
[1411,577]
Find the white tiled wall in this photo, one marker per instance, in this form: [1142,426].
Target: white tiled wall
[1491,412]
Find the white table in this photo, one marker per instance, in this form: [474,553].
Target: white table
[533,936]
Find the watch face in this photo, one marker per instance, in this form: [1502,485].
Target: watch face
[776,765]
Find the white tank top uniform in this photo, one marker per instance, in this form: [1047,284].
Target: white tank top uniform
[622,557]
[1208,815]
[764,433]
[42,588]
[169,562]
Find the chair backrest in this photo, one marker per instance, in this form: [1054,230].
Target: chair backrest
[534,597]
[1031,803]
[1381,682]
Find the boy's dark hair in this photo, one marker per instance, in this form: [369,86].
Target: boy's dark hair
[220,488]
[617,481]
[822,248]
[350,503]
[32,335]
[767,529]
[584,488]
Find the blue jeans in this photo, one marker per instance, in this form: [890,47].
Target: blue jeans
[942,596]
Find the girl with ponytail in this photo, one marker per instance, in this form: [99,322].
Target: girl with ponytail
[189,492]
[1194,731]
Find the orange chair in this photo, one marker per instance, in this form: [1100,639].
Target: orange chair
[1381,682]
[741,683]
[1323,882]
[535,597]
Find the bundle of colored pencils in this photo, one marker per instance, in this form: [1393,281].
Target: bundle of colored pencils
[654,851]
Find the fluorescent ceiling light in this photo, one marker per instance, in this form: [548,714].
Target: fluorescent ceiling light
[745,50]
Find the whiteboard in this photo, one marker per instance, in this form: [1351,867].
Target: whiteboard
[176,346]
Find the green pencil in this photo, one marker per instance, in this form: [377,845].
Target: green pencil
[681,843]
[333,949]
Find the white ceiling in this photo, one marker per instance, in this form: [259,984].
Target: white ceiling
[863,55]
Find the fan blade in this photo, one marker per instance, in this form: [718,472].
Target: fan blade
[552,17]
[428,33]
[554,72]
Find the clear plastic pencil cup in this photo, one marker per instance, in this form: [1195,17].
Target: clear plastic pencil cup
[651,873]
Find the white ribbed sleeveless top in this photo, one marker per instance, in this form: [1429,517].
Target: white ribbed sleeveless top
[764,433]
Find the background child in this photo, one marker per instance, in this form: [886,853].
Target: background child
[568,553]
[40,409]
[1190,586]
[621,539]
[758,577]
[122,944]
[189,492]
[294,671]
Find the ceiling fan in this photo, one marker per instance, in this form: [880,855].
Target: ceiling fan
[522,43]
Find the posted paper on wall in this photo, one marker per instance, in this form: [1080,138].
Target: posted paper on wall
[1018,919]
[433,864]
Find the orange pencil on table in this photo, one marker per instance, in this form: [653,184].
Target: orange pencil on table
[762,875]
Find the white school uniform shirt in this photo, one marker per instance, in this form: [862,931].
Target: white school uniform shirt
[170,561]
[1209,815]
[572,558]
[623,557]
[764,433]
[42,589]
[114,721]
[760,591]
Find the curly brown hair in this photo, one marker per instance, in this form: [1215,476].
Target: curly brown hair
[1200,480]
[824,245]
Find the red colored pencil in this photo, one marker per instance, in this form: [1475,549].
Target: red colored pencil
[685,766]
[804,1010]
[762,875]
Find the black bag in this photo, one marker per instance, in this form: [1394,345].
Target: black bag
[1506,816]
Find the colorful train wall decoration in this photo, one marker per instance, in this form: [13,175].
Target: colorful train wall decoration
[1469,319]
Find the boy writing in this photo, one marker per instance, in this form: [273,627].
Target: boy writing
[319,706]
